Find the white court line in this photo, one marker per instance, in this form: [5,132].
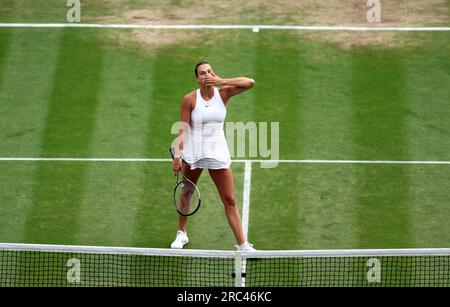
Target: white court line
[236,161]
[89,159]
[217,27]
[246,197]
[246,211]
[346,161]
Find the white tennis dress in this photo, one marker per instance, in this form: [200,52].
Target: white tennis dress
[205,145]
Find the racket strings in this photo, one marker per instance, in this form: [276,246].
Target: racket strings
[187,191]
[186,198]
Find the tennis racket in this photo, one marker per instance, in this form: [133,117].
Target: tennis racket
[186,195]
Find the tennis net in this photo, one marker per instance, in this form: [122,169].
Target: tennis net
[62,265]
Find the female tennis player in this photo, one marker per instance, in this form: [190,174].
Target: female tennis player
[202,144]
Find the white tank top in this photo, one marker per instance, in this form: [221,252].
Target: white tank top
[206,138]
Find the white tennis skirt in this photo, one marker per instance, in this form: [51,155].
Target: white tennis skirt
[210,163]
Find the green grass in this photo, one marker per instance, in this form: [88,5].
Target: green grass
[80,94]
[349,206]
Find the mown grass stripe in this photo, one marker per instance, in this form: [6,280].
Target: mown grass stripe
[116,196]
[57,191]
[326,115]
[26,88]
[382,218]
[5,39]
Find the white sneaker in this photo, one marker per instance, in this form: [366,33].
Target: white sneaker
[245,247]
[180,240]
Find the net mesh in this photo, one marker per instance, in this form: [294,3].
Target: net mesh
[33,268]
[382,271]
[44,268]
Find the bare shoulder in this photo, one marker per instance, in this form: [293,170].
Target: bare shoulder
[190,97]
[189,100]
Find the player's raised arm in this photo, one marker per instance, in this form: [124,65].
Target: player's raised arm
[230,86]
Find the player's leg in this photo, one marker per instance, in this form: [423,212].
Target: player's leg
[182,238]
[193,176]
[223,179]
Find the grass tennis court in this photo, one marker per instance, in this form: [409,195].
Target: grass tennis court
[115,93]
